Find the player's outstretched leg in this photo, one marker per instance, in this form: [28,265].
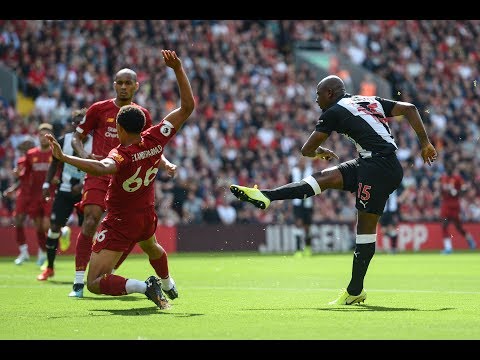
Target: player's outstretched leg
[252,195]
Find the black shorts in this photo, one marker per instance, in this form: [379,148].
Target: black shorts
[389,218]
[372,180]
[303,213]
[62,207]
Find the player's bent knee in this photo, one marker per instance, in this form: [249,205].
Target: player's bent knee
[94,286]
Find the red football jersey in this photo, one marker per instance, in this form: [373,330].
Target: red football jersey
[131,188]
[36,167]
[451,186]
[24,185]
[100,121]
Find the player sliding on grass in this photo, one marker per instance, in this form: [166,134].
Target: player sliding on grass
[372,177]
[131,216]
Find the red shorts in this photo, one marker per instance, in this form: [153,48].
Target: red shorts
[450,212]
[33,208]
[22,205]
[94,192]
[122,234]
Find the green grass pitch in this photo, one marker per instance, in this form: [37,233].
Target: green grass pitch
[248,296]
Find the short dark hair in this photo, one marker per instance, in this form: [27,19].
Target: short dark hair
[78,115]
[79,112]
[131,118]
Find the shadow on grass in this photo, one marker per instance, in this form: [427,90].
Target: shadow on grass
[121,298]
[145,311]
[361,307]
[58,282]
[365,307]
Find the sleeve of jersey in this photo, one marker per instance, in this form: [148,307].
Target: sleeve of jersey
[148,119]
[88,121]
[163,132]
[387,105]
[324,124]
[116,156]
[26,166]
[21,170]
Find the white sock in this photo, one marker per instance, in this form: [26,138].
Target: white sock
[135,286]
[64,230]
[447,244]
[167,283]
[79,275]
[23,249]
[310,180]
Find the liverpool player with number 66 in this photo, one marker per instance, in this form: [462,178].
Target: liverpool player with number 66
[131,216]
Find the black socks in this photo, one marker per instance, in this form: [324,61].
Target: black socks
[52,245]
[294,190]
[361,259]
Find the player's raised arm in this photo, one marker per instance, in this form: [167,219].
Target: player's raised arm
[429,154]
[187,103]
[90,166]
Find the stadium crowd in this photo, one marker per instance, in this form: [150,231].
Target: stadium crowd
[255,106]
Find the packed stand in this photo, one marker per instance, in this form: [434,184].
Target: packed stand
[255,107]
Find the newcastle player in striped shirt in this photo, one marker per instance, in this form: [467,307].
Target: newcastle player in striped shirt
[372,177]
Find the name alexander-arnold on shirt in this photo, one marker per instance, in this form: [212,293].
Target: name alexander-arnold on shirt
[147,153]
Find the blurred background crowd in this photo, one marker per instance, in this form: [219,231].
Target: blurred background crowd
[255,104]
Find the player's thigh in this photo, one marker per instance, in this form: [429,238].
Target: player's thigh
[102,263]
[94,191]
[22,206]
[349,175]
[377,178]
[330,178]
[92,213]
[62,208]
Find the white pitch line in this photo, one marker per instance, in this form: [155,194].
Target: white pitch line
[336,289]
[275,289]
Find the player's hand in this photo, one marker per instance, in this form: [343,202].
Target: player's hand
[325,154]
[171,169]
[95,157]
[46,194]
[55,146]
[429,154]
[171,59]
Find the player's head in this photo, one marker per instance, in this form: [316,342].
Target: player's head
[77,116]
[131,119]
[329,89]
[26,144]
[44,128]
[125,84]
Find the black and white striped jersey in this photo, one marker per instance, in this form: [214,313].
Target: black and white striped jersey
[70,172]
[363,120]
